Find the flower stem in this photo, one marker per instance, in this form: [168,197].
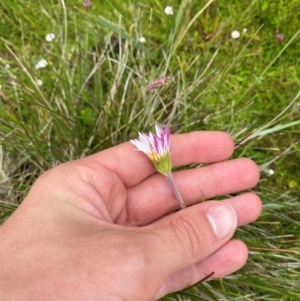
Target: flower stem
[175,190]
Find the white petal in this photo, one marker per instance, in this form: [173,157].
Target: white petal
[142,144]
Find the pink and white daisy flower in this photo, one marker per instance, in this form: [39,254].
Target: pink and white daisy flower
[157,148]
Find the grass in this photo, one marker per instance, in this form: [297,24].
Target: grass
[93,96]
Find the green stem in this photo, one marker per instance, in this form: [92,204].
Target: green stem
[175,190]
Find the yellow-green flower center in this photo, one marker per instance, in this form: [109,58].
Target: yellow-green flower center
[162,162]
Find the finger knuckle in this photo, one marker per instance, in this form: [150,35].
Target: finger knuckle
[187,235]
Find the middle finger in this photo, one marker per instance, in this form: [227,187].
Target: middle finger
[153,198]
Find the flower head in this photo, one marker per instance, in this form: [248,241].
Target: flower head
[235,34]
[87,3]
[50,37]
[169,10]
[270,172]
[142,40]
[41,64]
[157,148]
[280,37]
[39,82]
[157,82]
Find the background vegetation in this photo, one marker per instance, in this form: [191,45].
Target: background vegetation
[92,95]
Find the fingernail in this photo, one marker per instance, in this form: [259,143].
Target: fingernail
[222,218]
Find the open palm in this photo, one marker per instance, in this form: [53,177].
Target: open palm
[105,227]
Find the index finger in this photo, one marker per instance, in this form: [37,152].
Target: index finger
[196,147]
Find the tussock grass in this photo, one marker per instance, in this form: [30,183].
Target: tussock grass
[94,96]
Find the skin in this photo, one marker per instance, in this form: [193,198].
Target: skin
[105,227]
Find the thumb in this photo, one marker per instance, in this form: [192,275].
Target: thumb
[190,235]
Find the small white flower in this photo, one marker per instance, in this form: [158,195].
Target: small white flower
[41,64]
[169,10]
[7,66]
[245,30]
[142,40]
[270,172]
[235,34]
[50,37]
[39,82]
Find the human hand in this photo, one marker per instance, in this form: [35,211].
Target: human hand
[104,227]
